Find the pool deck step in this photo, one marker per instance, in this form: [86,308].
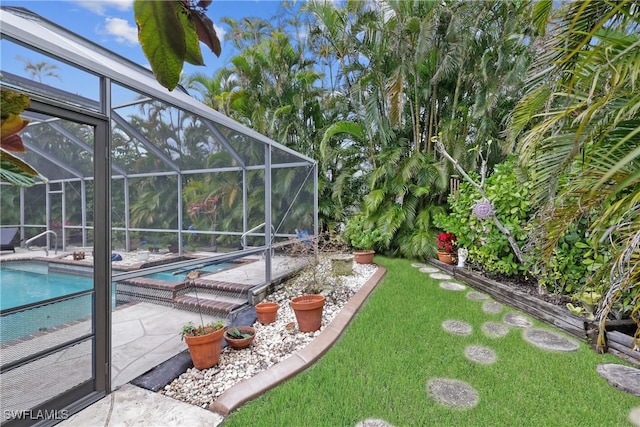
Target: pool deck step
[220,287]
[216,297]
[208,306]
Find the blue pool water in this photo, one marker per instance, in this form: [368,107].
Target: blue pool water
[33,283]
[169,275]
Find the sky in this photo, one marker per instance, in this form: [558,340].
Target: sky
[111,24]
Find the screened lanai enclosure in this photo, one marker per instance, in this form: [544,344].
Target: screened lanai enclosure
[131,172]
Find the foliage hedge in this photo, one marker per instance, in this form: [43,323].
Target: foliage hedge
[573,260]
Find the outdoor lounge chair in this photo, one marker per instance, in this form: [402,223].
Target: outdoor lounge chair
[6,237]
[304,236]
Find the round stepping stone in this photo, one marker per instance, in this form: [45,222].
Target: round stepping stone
[634,416]
[495,329]
[517,320]
[548,340]
[440,276]
[428,270]
[452,286]
[373,422]
[418,265]
[623,377]
[454,393]
[480,354]
[492,307]
[457,327]
[477,296]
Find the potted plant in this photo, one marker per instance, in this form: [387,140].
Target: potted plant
[363,237]
[309,306]
[311,283]
[308,310]
[447,247]
[239,337]
[204,342]
[267,312]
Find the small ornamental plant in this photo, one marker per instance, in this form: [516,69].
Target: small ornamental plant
[191,330]
[237,334]
[446,242]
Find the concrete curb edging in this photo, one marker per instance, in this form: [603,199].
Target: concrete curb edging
[253,387]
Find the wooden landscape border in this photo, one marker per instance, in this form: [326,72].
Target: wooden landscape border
[577,326]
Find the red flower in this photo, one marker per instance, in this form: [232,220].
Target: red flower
[446,242]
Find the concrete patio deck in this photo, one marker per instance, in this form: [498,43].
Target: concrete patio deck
[144,335]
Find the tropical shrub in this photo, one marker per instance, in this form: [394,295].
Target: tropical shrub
[487,245]
[363,235]
[574,262]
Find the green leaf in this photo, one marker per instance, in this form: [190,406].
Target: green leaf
[162,38]
[192,43]
[413,25]
[13,174]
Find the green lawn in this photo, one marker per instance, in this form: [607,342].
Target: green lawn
[381,365]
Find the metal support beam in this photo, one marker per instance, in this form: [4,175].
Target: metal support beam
[134,133]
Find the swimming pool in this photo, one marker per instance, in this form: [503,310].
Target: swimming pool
[51,287]
[28,283]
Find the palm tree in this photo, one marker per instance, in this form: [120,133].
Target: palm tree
[247,31]
[579,135]
[39,70]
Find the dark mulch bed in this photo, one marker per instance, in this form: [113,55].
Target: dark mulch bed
[527,285]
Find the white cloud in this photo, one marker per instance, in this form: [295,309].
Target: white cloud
[100,6]
[220,32]
[120,28]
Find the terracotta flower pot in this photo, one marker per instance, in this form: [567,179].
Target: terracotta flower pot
[240,343]
[267,312]
[308,311]
[205,349]
[364,257]
[446,257]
